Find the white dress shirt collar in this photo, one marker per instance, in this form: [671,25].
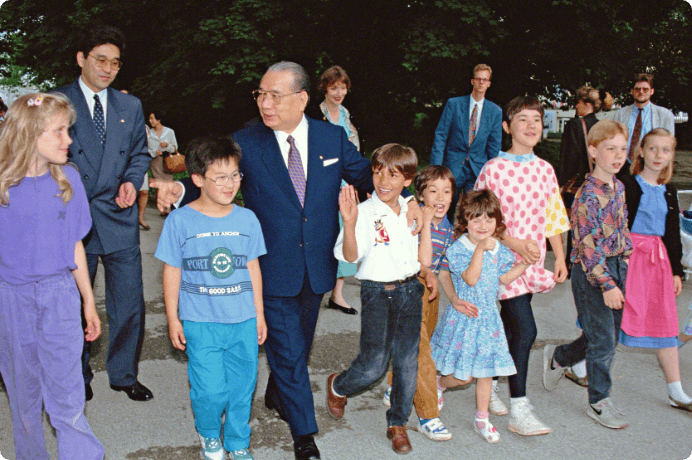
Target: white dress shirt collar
[89,96]
[300,135]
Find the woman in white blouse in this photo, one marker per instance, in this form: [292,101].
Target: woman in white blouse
[162,143]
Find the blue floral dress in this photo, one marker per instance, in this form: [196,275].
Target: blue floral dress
[474,347]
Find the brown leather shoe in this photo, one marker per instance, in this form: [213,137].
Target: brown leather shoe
[399,437]
[335,404]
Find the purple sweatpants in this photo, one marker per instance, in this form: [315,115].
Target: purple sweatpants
[40,348]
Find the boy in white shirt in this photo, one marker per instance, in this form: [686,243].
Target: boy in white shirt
[376,236]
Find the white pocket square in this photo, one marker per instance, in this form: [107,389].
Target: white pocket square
[330,161]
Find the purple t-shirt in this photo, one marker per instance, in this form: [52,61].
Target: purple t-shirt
[38,232]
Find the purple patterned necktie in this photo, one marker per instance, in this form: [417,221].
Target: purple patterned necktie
[295,170]
[636,134]
[473,124]
[99,122]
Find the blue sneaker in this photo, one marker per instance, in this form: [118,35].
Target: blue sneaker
[242,454]
[211,448]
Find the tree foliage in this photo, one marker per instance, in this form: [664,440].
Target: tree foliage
[199,61]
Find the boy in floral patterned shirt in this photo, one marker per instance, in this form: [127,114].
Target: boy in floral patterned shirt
[602,247]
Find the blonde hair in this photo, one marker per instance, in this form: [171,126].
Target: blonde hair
[604,130]
[481,67]
[638,164]
[24,123]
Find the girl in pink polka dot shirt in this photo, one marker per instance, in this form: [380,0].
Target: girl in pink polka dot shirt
[534,214]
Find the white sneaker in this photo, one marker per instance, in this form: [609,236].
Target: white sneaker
[523,422]
[386,397]
[487,430]
[434,429]
[606,414]
[497,407]
[211,448]
[550,376]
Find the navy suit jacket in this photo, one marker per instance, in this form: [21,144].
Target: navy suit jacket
[299,238]
[125,158]
[451,145]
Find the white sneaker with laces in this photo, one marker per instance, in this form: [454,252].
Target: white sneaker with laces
[551,376]
[434,429]
[386,397]
[242,454]
[605,413]
[211,448]
[523,422]
[497,407]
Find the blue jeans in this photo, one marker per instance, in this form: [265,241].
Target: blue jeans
[390,327]
[601,327]
[520,329]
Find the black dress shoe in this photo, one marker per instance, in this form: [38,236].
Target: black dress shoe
[335,306]
[88,392]
[306,449]
[136,391]
[272,404]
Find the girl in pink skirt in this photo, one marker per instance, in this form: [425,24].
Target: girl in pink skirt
[654,277]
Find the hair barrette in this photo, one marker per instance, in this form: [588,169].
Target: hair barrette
[35,102]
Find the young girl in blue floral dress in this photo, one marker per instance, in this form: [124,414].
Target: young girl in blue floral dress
[470,342]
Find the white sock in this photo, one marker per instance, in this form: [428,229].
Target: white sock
[580,369]
[494,384]
[677,393]
[334,391]
[516,401]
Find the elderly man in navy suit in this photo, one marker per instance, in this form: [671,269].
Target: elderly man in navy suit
[109,148]
[293,166]
[469,134]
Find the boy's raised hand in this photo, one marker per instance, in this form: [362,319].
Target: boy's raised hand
[614,299]
[428,214]
[175,332]
[348,204]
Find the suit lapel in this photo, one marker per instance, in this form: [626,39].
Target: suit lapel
[85,129]
[274,162]
[464,122]
[314,162]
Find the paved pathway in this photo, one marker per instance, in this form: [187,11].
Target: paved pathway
[163,428]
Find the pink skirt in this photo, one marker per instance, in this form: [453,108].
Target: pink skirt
[650,309]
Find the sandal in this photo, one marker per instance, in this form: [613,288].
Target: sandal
[581,381]
[487,430]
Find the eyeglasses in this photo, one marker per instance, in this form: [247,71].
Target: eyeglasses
[641,90]
[275,98]
[481,80]
[223,180]
[116,64]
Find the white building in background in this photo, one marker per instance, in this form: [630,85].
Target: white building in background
[10,94]
[554,119]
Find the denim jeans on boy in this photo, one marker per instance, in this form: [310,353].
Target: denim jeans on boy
[601,327]
[390,327]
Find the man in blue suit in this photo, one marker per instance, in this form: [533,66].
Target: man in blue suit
[292,167]
[469,134]
[109,148]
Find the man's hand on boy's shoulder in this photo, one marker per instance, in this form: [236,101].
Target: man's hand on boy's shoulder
[414,213]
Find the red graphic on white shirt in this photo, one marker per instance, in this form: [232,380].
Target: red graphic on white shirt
[382,235]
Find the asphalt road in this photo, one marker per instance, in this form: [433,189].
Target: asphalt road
[163,428]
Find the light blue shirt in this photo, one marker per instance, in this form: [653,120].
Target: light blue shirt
[647,124]
[652,211]
[213,253]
